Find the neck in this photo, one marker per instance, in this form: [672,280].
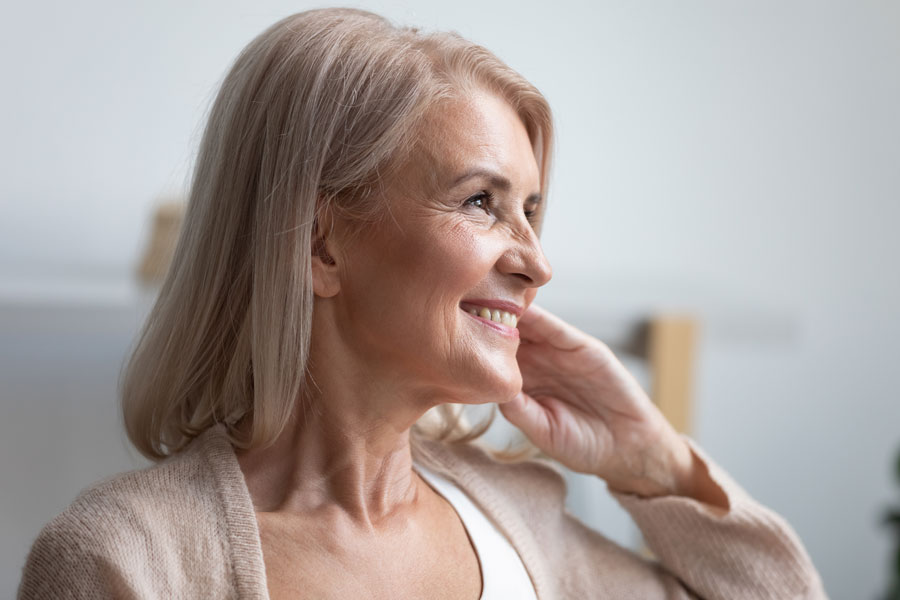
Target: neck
[363,469]
[348,449]
[348,446]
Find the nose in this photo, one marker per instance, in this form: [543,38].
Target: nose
[525,260]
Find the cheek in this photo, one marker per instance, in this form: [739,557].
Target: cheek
[421,274]
[446,262]
[467,253]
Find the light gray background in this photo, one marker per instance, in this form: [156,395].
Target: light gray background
[740,160]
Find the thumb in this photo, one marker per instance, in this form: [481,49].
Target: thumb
[528,415]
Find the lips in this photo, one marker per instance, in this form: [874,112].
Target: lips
[492,303]
[490,314]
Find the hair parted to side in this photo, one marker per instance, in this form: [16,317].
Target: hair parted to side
[315,112]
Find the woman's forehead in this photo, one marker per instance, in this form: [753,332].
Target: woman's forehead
[478,132]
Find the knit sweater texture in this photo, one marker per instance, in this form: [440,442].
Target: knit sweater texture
[186,528]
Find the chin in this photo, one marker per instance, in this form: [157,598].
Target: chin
[498,386]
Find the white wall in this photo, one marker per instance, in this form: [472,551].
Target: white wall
[737,159]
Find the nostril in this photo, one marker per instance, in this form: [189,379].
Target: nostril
[527,279]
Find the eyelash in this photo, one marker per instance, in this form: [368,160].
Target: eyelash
[487,197]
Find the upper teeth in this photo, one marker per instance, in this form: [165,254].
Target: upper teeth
[499,316]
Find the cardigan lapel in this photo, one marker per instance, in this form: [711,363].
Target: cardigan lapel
[240,518]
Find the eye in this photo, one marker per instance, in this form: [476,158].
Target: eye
[482,200]
[533,212]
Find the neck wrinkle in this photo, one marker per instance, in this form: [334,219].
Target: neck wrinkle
[335,461]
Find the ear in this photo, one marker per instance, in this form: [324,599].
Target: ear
[325,275]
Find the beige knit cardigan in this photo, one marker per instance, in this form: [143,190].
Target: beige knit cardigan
[185,528]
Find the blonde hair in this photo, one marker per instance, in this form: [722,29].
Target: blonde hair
[315,112]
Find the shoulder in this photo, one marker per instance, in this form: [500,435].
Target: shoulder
[158,500]
[130,534]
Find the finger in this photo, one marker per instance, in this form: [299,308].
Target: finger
[538,325]
[529,416]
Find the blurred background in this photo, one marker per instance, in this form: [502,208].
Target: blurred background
[736,162]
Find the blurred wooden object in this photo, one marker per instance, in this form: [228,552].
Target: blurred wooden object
[162,242]
[671,348]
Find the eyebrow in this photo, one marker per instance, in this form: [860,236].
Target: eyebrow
[497,180]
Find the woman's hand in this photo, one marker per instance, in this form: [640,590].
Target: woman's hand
[583,408]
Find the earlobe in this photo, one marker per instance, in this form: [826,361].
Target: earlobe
[325,275]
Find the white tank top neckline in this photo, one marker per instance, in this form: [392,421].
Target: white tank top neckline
[503,574]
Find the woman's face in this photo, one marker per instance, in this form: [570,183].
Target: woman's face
[461,236]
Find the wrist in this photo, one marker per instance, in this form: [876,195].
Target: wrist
[694,481]
[665,470]
[679,472]
[686,475]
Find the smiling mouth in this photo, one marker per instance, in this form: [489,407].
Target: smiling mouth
[493,315]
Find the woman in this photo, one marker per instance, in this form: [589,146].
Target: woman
[361,247]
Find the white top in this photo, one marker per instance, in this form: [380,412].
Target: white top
[502,572]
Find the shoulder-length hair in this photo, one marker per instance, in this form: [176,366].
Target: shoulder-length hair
[313,114]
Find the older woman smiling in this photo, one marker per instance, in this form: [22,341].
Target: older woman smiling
[361,247]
